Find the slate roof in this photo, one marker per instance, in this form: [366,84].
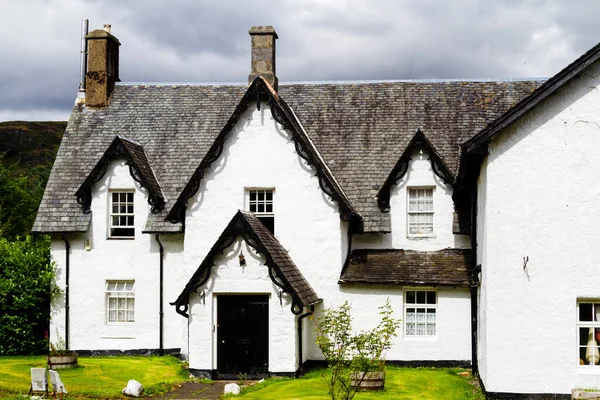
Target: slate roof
[446,267]
[359,130]
[246,225]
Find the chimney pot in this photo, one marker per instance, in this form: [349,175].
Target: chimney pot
[107,27]
[263,54]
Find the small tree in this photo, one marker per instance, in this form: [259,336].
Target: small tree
[26,274]
[352,355]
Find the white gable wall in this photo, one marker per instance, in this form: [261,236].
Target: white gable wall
[115,259]
[259,154]
[541,198]
[419,175]
[228,277]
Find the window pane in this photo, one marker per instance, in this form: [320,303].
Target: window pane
[129,221]
[421,297]
[261,195]
[130,209]
[585,312]
[410,297]
[261,207]
[122,197]
[112,316]
[129,316]
[252,207]
[410,329]
[252,195]
[269,208]
[431,298]
[269,195]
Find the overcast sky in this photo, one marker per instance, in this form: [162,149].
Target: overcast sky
[208,41]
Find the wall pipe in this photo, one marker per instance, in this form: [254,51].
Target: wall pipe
[300,318]
[67,261]
[474,284]
[161,349]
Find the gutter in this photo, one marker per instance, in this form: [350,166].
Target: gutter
[67,261]
[161,350]
[300,318]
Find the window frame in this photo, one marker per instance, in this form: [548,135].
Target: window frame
[409,190]
[595,302]
[265,202]
[125,214]
[119,294]
[417,305]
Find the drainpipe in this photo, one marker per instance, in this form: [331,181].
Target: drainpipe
[67,260]
[300,318]
[161,349]
[473,283]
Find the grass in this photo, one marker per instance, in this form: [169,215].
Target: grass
[105,377]
[96,377]
[400,383]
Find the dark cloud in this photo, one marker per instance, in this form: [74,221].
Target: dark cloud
[207,41]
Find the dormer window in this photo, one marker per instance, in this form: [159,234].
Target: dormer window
[420,212]
[260,202]
[121,218]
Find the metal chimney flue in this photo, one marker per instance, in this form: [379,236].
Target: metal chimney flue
[83,60]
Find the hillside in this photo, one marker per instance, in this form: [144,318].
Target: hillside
[29,150]
[30,144]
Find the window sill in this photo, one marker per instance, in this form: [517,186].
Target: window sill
[420,237]
[421,338]
[588,369]
[120,238]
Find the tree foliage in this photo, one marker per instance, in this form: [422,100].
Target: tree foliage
[351,355]
[26,276]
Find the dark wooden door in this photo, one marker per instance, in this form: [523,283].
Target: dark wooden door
[242,335]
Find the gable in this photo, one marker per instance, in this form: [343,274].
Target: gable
[139,168]
[282,270]
[259,91]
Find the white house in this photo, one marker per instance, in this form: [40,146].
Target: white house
[212,221]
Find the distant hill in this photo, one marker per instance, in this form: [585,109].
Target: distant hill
[30,144]
[29,150]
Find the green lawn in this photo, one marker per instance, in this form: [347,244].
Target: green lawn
[400,383]
[97,377]
[105,377]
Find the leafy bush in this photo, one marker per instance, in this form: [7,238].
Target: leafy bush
[26,275]
[350,355]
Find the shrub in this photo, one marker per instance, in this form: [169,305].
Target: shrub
[351,355]
[26,275]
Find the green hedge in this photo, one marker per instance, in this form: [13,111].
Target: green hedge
[26,275]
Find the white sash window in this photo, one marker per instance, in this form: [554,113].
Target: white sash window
[420,212]
[420,312]
[120,301]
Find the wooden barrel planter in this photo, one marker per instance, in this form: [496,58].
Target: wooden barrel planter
[63,362]
[370,380]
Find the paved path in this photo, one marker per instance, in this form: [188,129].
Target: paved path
[202,391]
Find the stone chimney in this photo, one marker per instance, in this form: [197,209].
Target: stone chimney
[103,67]
[263,54]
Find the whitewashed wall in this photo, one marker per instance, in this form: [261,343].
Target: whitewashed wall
[115,259]
[258,154]
[228,277]
[541,200]
[419,174]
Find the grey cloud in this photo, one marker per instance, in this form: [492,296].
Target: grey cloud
[190,40]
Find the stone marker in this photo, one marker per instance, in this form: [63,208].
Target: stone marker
[133,388]
[232,388]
